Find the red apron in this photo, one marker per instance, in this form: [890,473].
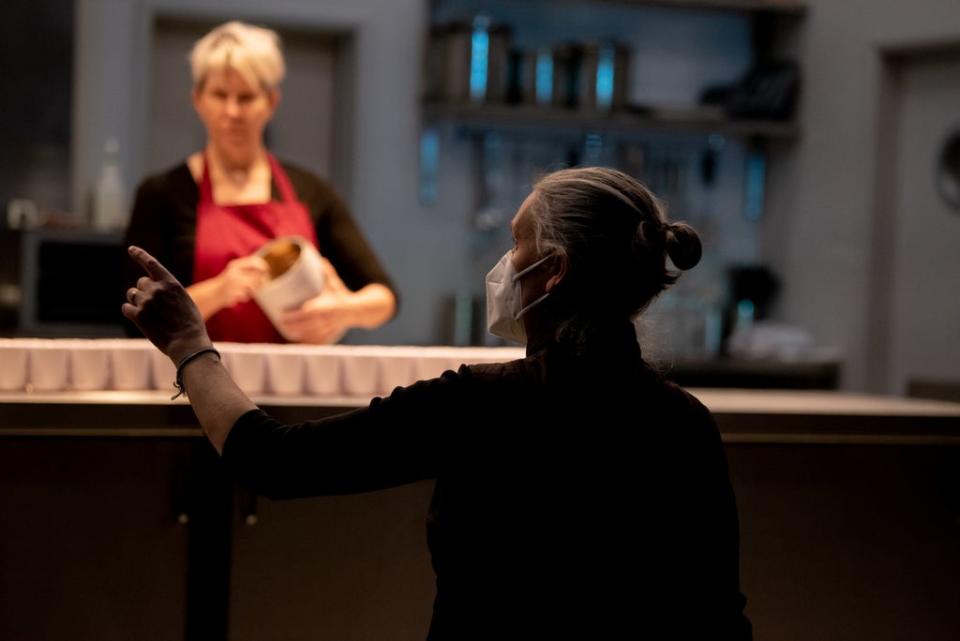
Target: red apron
[225,232]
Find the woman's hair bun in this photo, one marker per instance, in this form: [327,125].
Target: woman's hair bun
[683,245]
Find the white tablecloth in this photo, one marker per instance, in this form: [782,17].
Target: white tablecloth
[48,365]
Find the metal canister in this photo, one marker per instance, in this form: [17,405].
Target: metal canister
[468,62]
[604,76]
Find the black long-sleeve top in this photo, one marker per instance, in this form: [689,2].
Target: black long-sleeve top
[164,222]
[577,494]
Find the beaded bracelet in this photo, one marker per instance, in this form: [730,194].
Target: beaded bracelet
[181,390]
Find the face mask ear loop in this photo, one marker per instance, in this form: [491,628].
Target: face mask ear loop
[531,306]
[530,268]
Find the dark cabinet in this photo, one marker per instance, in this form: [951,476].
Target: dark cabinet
[146,538]
[90,546]
[343,568]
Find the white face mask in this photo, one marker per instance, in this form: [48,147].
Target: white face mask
[504,300]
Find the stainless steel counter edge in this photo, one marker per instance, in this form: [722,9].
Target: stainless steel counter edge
[761,417]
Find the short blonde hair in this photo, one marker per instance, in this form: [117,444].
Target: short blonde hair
[251,51]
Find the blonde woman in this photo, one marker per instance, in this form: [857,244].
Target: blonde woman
[205,217]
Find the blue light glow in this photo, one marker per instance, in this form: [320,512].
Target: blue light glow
[479,58]
[544,78]
[745,312]
[605,78]
[429,166]
[593,149]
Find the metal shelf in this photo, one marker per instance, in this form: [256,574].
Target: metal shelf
[525,118]
[781,7]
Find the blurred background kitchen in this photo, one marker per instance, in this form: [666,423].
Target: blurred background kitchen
[814,143]
[811,147]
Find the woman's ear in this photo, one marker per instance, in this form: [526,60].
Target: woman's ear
[558,271]
[195,98]
[273,98]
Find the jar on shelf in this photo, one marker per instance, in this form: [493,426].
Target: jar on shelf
[604,76]
[467,62]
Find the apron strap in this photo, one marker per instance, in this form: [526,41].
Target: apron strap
[280,177]
[206,185]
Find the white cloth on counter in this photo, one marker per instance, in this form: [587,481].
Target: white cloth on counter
[778,341]
[50,365]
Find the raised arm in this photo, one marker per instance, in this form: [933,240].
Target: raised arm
[161,308]
[394,440]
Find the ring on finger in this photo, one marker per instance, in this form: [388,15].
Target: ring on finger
[132,294]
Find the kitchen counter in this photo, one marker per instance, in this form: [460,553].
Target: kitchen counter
[113,502]
[744,416]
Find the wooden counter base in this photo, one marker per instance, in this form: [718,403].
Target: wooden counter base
[117,523]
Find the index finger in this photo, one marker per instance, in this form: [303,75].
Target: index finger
[328,267]
[256,263]
[331,274]
[293,317]
[151,265]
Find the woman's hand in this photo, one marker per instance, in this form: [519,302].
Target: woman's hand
[323,319]
[239,279]
[165,313]
[161,308]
